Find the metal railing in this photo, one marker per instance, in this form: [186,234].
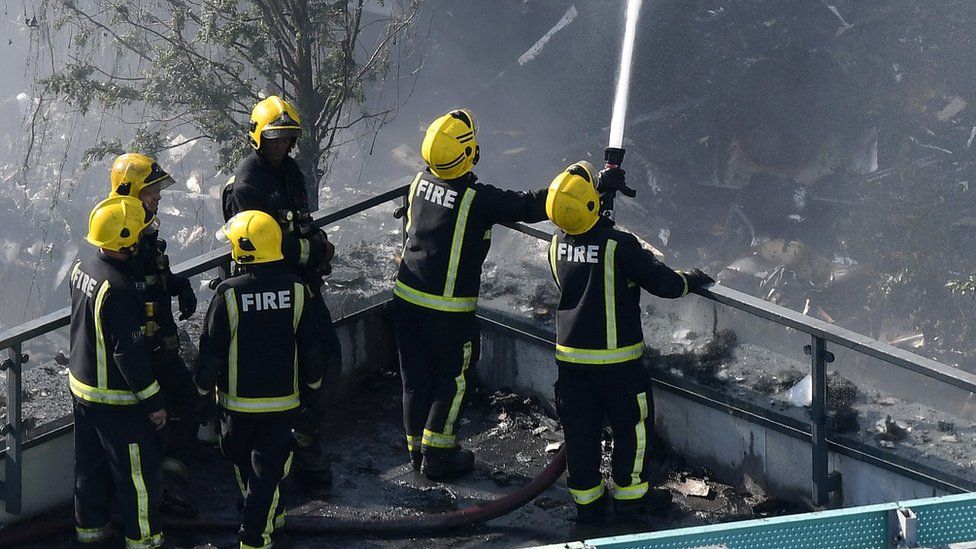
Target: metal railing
[821,333]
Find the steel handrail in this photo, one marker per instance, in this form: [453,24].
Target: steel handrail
[200,264]
[820,332]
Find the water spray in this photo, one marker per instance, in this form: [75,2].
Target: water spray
[613,155]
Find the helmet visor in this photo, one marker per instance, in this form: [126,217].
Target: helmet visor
[158,176]
[281,132]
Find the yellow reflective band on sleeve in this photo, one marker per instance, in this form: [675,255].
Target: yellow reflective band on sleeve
[599,356]
[410,195]
[149,391]
[460,225]
[588,496]
[437,440]
[303,251]
[299,304]
[462,385]
[314,386]
[142,495]
[413,443]
[92,535]
[436,302]
[610,293]
[487,235]
[641,434]
[240,481]
[116,397]
[257,405]
[685,280]
[230,299]
[101,355]
[152,542]
[552,260]
[634,491]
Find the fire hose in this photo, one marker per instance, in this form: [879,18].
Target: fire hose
[35,531]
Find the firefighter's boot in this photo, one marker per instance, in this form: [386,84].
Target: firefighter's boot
[656,500]
[176,492]
[594,512]
[440,463]
[311,461]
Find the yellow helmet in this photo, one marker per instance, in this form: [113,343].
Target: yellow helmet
[450,148]
[273,118]
[573,204]
[133,172]
[254,236]
[116,222]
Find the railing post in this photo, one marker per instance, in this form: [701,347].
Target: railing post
[13,430]
[823,482]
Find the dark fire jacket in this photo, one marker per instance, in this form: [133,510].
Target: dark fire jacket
[259,344]
[600,274]
[109,363]
[448,236]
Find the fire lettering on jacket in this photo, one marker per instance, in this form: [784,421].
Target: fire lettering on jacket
[83,281]
[264,301]
[578,254]
[436,194]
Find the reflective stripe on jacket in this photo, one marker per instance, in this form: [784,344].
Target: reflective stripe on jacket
[600,274]
[259,343]
[109,362]
[448,236]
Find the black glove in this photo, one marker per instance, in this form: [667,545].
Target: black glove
[187,299]
[697,279]
[613,180]
[321,252]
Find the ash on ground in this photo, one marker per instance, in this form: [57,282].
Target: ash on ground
[510,435]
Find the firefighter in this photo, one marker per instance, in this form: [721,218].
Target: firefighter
[118,406]
[449,220]
[600,272]
[270,180]
[260,347]
[139,176]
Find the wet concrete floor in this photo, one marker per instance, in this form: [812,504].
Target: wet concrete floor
[374,481]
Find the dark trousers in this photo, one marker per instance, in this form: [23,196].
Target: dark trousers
[584,397]
[436,349]
[310,422]
[117,450]
[259,446]
[176,383]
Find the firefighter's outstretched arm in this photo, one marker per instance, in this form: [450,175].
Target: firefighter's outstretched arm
[516,206]
[123,311]
[654,276]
